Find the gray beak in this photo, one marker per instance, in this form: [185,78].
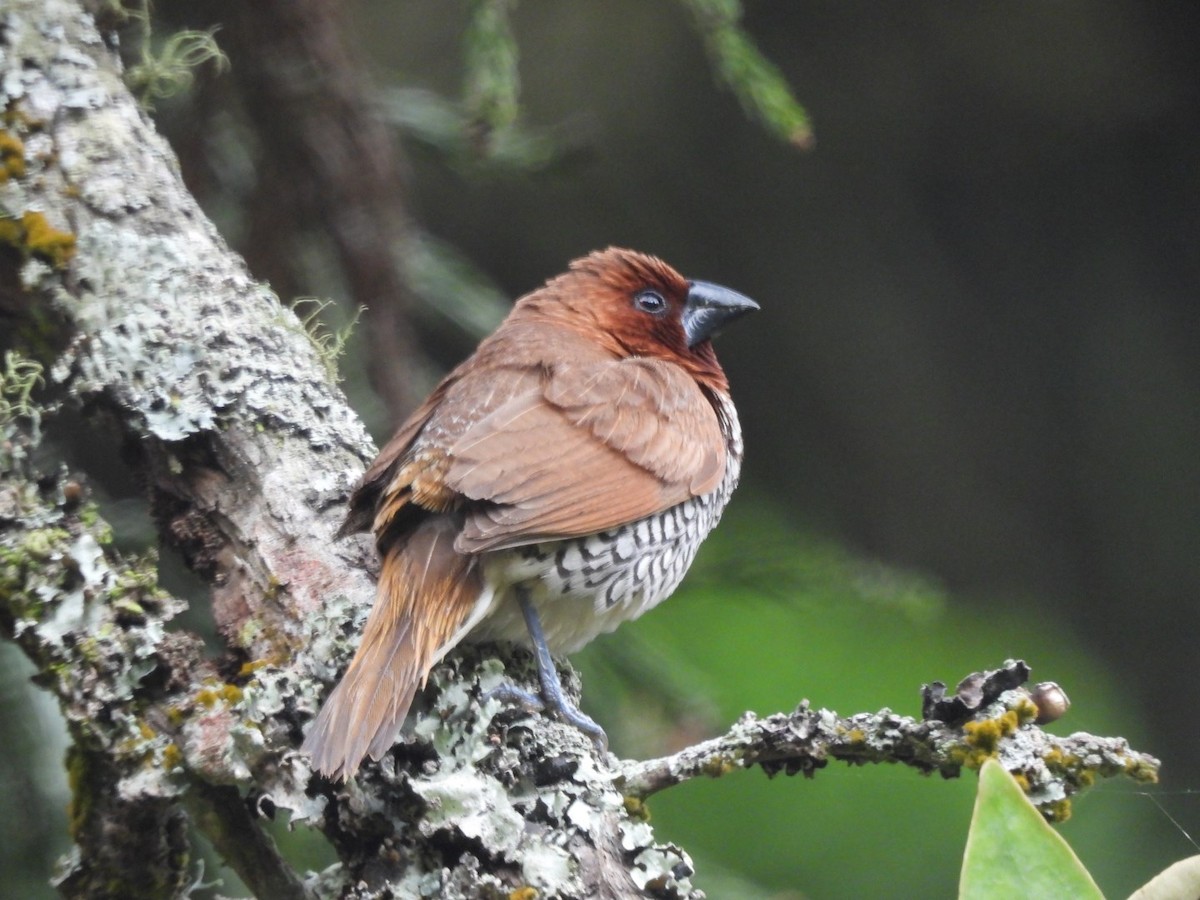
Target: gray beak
[709,307]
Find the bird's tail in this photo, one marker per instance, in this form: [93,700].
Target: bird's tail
[426,594]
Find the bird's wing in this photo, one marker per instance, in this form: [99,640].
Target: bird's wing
[595,446]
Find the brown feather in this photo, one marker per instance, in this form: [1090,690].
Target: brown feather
[599,445]
[426,592]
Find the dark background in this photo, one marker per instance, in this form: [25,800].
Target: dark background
[979,351]
[978,362]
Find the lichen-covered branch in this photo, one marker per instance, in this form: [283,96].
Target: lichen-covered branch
[247,451]
[92,622]
[999,725]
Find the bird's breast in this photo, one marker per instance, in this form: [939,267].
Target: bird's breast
[587,586]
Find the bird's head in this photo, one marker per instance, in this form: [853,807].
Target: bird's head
[637,305]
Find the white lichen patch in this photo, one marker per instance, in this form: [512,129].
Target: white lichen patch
[543,864]
[666,869]
[477,807]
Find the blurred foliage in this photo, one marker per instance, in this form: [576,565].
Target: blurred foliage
[492,83]
[443,126]
[33,784]
[482,133]
[759,86]
[449,286]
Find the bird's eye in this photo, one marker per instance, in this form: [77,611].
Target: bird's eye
[651,302]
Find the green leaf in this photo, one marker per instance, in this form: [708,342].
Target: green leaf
[1013,852]
[1178,882]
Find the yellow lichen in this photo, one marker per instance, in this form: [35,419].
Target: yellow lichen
[1025,709]
[523,893]
[637,809]
[984,736]
[1141,771]
[1058,811]
[249,668]
[44,240]
[210,695]
[33,235]
[172,757]
[718,766]
[12,156]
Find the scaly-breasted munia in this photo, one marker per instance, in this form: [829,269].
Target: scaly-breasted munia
[553,486]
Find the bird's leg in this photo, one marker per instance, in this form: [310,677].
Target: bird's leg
[553,699]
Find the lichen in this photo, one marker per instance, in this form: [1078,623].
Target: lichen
[32,235]
[718,766]
[12,156]
[637,809]
[212,694]
[983,737]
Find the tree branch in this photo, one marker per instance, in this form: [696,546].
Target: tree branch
[221,813]
[1000,724]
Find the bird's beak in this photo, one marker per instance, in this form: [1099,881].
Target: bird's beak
[709,307]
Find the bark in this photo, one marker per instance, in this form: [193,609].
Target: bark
[247,451]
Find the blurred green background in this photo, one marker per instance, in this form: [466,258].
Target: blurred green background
[971,402]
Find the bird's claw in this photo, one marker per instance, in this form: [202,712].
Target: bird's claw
[555,705]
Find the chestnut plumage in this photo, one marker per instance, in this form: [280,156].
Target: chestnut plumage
[555,484]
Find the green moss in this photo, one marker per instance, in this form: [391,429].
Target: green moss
[36,548]
[129,607]
[42,544]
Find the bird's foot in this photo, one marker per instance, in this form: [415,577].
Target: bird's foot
[551,701]
[514,696]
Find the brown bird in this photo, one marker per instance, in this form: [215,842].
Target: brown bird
[553,486]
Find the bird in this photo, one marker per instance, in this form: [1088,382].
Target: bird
[554,485]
